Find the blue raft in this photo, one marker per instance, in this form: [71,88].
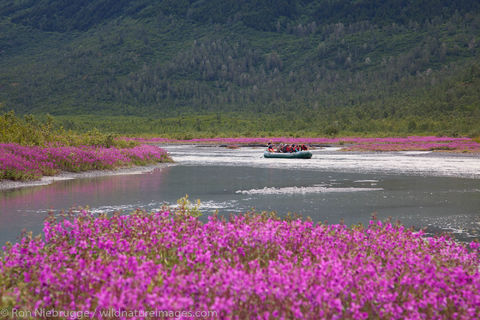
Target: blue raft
[288,155]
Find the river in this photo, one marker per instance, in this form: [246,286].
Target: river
[436,191]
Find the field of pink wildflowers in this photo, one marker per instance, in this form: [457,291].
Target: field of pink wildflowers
[421,143]
[252,266]
[19,162]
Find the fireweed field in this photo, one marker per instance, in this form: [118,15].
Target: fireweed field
[429,143]
[19,162]
[251,266]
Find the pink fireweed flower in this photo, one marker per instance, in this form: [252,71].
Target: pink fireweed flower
[31,162]
[247,267]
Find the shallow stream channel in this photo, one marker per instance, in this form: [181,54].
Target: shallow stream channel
[439,192]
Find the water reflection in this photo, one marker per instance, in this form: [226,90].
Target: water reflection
[333,187]
[26,208]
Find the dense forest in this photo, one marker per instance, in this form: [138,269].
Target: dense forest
[253,67]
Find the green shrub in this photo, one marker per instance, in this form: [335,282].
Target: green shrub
[31,131]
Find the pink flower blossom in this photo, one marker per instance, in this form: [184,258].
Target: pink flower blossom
[251,266]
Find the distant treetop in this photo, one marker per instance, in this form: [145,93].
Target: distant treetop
[265,15]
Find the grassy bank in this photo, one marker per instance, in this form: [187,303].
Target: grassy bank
[30,149]
[250,266]
[275,124]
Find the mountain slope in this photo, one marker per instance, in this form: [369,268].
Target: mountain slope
[333,61]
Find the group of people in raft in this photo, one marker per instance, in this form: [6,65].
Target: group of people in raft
[286,148]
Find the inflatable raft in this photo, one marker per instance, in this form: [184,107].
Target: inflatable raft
[293,155]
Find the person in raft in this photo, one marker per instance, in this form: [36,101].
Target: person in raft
[270,147]
[299,147]
[286,148]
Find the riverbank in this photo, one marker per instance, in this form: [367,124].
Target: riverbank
[10,184]
[33,163]
[410,143]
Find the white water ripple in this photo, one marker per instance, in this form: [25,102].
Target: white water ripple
[303,190]
[330,159]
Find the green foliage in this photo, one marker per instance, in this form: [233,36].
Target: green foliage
[61,16]
[187,209]
[28,131]
[32,131]
[272,125]
[400,67]
[331,130]
[94,137]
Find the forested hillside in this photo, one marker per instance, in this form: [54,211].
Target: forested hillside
[317,67]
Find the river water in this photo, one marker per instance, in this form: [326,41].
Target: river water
[438,192]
